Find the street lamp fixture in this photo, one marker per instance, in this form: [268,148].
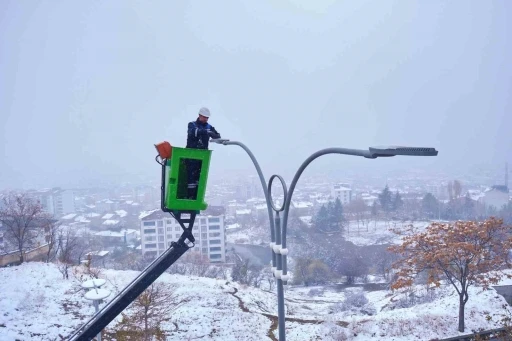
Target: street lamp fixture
[395,150]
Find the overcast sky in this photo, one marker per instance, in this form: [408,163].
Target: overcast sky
[88,87]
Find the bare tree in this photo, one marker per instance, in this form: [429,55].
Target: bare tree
[352,264]
[300,271]
[22,218]
[450,190]
[51,236]
[358,208]
[144,317]
[269,276]
[85,243]
[68,243]
[457,188]
[310,271]
[246,273]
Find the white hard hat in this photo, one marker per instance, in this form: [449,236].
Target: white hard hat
[204,112]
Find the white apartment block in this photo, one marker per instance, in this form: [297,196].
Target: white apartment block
[343,192]
[64,202]
[159,229]
[56,201]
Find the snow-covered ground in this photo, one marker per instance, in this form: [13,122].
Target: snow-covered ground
[37,304]
[378,232]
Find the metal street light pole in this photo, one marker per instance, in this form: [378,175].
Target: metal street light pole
[265,191]
[280,253]
[279,250]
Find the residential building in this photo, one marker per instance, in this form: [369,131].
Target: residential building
[343,192]
[233,206]
[56,201]
[45,198]
[302,208]
[497,197]
[127,236]
[158,230]
[64,201]
[369,199]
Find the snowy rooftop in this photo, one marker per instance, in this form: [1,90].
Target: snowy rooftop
[475,194]
[82,219]
[302,204]
[111,222]
[232,226]
[121,213]
[144,214]
[115,234]
[98,253]
[235,204]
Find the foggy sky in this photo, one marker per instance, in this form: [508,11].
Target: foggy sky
[88,87]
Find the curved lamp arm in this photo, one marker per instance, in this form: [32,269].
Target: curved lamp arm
[287,204]
[262,180]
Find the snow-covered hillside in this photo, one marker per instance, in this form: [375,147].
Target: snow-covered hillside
[37,304]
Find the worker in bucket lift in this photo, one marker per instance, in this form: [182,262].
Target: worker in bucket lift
[198,136]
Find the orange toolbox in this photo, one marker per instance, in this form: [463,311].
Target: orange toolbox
[164,149]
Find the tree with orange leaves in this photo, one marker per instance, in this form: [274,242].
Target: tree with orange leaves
[464,253]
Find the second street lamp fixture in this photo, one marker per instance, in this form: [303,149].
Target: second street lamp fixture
[395,150]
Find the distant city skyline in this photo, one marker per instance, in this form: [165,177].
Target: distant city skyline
[486,175]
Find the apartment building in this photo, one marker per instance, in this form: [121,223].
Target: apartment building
[343,192]
[496,196]
[55,201]
[158,230]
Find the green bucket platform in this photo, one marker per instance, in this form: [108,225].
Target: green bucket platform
[176,190]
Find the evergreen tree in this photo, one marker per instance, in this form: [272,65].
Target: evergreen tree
[430,205]
[469,207]
[338,212]
[457,188]
[397,202]
[385,199]
[321,219]
[331,218]
[335,215]
[375,209]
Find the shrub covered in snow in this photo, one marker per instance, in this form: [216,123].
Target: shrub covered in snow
[355,301]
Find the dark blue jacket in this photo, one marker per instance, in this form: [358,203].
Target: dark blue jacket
[199,134]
